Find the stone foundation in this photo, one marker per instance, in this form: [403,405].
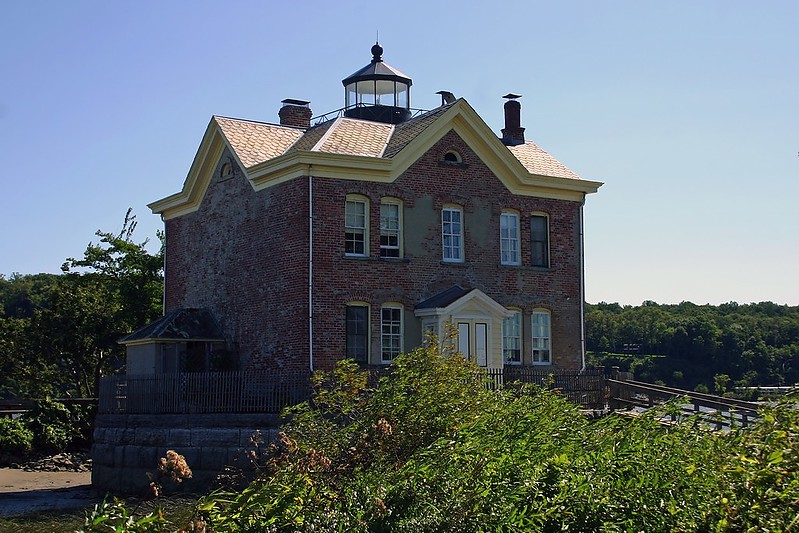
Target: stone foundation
[126,447]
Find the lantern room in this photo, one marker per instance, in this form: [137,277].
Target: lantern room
[378,92]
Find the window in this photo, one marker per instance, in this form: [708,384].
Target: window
[356,227]
[452,157]
[390,228]
[390,332]
[357,331]
[540,240]
[512,339]
[452,234]
[509,238]
[542,338]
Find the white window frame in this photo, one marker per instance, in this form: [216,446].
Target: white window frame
[512,338]
[365,357]
[509,250]
[548,256]
[354,227]
[541,332]
[452,234]
[391,332]
[390,251]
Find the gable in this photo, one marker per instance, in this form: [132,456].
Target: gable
[362,150]
[457,300]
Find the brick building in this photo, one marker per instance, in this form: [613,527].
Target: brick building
[293,245]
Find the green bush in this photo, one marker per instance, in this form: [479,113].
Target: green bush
[53,425]
[15,438]
[431,449]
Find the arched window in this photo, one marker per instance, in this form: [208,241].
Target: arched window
[356,226]
[512,338]
[453,157]
[391,227]
[509,238]
[539,236]
[452,234]
[391,331]
[356,327]
[542,337]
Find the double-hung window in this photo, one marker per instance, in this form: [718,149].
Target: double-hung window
[356,226]
[390,228]
[452,234]
[390,332]
[509,238]
[512,339]
[357,332]
[539,225]
[542,337]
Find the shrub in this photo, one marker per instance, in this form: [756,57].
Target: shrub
[15,438]
[53,426]
[431,449]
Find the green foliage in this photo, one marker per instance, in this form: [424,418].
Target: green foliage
[763,489]
[15,438]
[53,426]
[113,515]
[58,333]
[754,344]
[429,448]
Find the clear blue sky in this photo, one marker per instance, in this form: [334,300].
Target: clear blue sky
[686,110]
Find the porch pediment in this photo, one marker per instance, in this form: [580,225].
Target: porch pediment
[457,300]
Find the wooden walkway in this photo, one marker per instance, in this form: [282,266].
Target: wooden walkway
[715,411]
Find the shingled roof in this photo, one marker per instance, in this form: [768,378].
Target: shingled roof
[258,142]
[179,325]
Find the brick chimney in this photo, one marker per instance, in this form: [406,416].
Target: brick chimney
[295,113]
[513,133]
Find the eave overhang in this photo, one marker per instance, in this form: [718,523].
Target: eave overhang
[460,118]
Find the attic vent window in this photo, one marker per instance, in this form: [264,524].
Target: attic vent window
[452,157]
[227,170]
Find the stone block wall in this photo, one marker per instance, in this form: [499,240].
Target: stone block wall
[126,447]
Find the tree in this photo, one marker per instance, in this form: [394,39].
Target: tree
[77,333]
[63,334]
[134,275]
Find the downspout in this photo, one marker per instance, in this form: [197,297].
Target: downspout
[310,269]
[582,286]
[163,285]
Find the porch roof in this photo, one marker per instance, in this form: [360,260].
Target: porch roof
[444,298]
[454,298]
[183,324]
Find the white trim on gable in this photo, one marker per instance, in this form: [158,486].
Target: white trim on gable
[484,301]
[460,118]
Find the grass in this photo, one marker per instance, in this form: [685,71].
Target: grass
[178,511]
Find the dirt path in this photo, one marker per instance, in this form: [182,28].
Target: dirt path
[24,492]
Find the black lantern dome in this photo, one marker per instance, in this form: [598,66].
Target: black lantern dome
[378,92]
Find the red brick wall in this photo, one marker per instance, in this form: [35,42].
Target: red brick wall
[424,188]
[244,256]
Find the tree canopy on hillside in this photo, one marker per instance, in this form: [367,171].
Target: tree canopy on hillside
[686,345]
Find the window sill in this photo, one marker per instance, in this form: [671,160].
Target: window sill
[376,258]
[453,263]
[528,267]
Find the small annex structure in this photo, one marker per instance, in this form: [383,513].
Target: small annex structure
[293,245]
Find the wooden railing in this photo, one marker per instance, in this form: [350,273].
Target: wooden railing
[716,411]
[587,388]
[209,392]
